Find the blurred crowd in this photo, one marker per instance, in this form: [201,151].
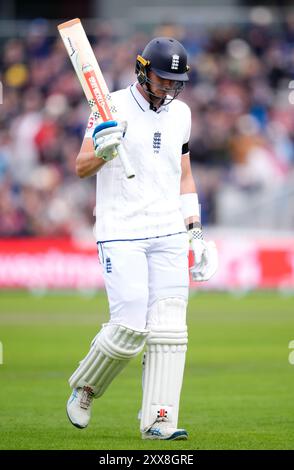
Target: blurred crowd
[240,91]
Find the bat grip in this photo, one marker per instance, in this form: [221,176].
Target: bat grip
[125,162]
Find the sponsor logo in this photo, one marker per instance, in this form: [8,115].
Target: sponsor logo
[155,432]
[71,46]
[162,413]
[95,88]
[90,122]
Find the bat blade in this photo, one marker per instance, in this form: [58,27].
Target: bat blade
[91,78]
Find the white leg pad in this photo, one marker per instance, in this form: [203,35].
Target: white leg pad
[110,352]
[164,362]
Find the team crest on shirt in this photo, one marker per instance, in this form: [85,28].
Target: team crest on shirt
[156,142]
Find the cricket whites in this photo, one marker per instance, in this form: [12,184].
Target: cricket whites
[92,81]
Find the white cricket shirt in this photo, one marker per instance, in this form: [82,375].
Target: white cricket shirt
[149,204]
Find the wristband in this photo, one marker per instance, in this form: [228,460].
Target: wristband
[195,225]
[190,205]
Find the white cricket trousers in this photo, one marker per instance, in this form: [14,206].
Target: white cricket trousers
[137,273]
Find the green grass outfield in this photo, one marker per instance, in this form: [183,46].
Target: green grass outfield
[238,391]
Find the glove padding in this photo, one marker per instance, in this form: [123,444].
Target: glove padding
[205,260]
[107,136]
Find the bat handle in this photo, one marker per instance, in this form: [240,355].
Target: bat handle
[125,162]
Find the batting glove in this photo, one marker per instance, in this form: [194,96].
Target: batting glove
[205,255]
[107,136]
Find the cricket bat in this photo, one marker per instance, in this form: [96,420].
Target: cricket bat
[91,78]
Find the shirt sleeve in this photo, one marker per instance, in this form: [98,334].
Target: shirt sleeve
[187,128]
[185,148]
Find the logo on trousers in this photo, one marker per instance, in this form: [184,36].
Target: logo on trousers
[108,265]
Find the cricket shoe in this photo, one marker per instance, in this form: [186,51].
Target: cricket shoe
[79,406]
[163,430]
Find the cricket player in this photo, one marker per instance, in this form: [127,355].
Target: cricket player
[143,229]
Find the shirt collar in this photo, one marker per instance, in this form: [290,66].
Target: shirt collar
[141,101]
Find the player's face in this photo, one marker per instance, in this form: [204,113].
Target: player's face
[161,87]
